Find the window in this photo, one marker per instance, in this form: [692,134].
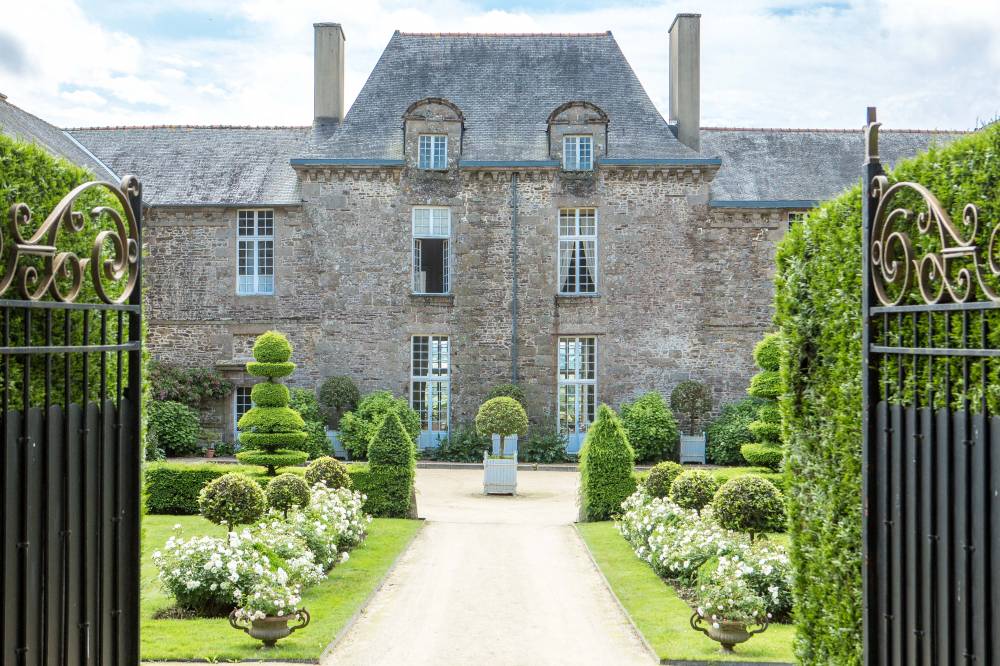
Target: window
[796,216]
[578,154]
[577,250]
[433,151]
[241,405]
[577,375]
[256,252]
[430,386]
[431,258]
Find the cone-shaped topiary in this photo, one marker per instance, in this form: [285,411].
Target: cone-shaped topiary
[392,463]
[270,428]
[502,416]
[766,449]
[606,467]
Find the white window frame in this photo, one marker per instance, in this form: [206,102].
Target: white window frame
[443,233]
[574,157]
[236,408]
[258,280]
[576,382]
[575,241]
[437,390]
[433,147]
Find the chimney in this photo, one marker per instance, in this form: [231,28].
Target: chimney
[685,78]
[328,73]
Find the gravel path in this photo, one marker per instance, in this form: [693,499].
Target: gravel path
[493,581]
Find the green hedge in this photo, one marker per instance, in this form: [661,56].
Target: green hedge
[172,488]
[818,291]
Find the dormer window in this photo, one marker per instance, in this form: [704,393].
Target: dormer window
[433,151]
[578,152]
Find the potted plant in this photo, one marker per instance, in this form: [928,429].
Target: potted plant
[501,416]
[728,609]
[265,612]
[691,400]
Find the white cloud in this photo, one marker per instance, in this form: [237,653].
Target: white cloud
[764,62]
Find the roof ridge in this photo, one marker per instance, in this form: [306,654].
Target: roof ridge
[834,130]
[504,34]
[131,127]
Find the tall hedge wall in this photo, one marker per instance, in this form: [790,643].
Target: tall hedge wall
[818,303]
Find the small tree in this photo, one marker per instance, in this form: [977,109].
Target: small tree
[287,491]
[337,396]
[232,499]
[502,416]
[651,428]
[392,461]
[607,466]
[691,400]
[749,504]
[271,430]
[766,450]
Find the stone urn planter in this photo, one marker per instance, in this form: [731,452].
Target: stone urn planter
[273,627]
[728,634]
[499,475]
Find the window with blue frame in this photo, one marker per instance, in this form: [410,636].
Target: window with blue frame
[430,381]
[577,384]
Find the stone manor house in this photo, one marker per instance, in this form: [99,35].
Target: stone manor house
[492,208]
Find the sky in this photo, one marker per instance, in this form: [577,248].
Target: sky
[931,64]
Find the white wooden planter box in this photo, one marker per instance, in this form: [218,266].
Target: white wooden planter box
[499,475]
[693,448]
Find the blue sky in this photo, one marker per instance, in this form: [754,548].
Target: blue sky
[765,63]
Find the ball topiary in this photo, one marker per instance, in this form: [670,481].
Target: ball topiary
[749,504]
[232,499]
[358,427]
[287,491]
[607,466]
[691,400]
[651,428]
[767,352]
[507,391]
[693,489]
[329,471]
[272,347]
[337,396]
[661,477]
[502,416]
[174,426]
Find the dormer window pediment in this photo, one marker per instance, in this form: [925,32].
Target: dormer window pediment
[433,134]
[578,135]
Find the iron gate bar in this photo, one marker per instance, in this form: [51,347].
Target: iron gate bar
[934,351]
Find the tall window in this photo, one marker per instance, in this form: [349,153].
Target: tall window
[241,405]
[577,250]
[256,252]
[430,388]
[431,257]
[578,153]
[433,151]
[577,375]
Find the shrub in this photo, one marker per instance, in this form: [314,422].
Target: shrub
[189,386]
[661,477]
[544,446]
[762,455]
[316,444]
[175,426]
[607,463]
[328,471]
[693,489]
[502,416]
[287,491]
[763,569]
[337,395]
[691,401]
[730,431]
[463,444]
[303,401]
[359,426]
[232,499]
[507,391]
[392,464]
[749,504]
[651,428]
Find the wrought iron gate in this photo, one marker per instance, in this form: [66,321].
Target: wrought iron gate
[71,374]
[931,463]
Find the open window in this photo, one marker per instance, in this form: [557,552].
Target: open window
[431,250]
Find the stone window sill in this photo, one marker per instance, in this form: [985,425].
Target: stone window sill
[570,298]
[433,299]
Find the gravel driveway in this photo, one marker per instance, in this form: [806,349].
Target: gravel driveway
[493,581]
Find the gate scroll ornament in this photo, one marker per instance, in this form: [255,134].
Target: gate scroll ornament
[121,268]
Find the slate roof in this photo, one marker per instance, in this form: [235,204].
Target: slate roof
[770,165]
[19,124]
[506,86]
[183,165]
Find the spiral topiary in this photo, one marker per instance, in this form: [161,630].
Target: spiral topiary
[232,499]
[330,472]
[693,489]
[766,450]
[661,477]
[287,491]
[271,429]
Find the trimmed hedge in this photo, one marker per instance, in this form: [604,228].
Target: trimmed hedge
[607,466]
[730,430]
[818,292]
[651,428]
[392,461]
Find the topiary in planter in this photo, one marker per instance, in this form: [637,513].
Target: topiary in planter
[502,416]
[691,401]
[693,490]
[661,477]
[271,431]
[232,499]
[358,427]
[337,396]
[287,491]
[607,467]
[392,461]
[766,451]
[329,471]
[749,504]
[174,426]
[651,428]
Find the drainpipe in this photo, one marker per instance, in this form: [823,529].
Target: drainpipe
[513,264]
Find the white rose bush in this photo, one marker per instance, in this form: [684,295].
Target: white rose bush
[263,567]
[722,572]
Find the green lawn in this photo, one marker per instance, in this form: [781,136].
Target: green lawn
[661,615]
[331,603]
